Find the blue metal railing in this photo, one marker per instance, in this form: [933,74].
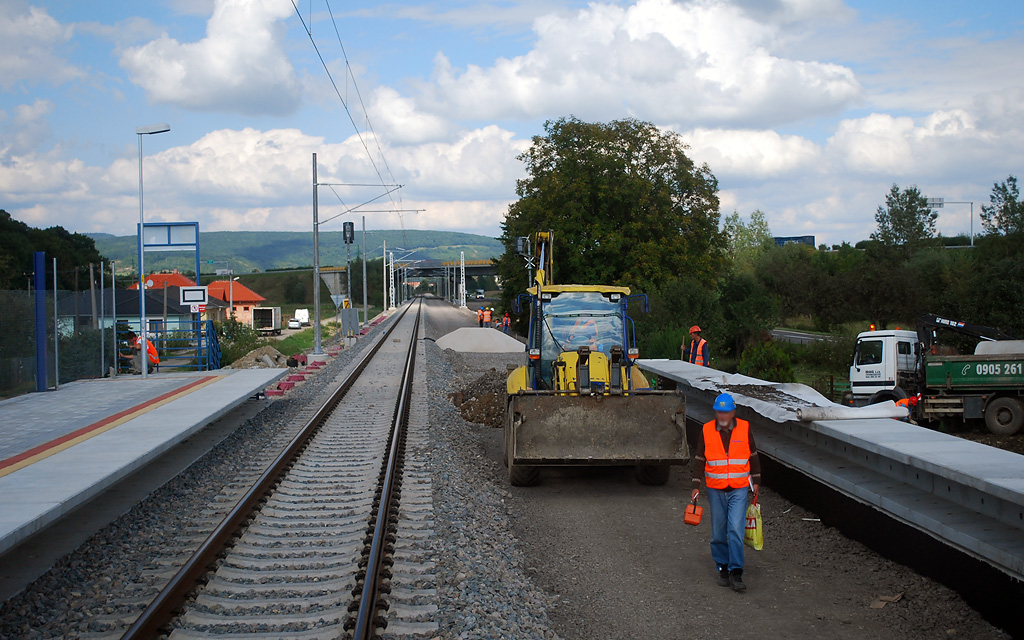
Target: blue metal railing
[181,344]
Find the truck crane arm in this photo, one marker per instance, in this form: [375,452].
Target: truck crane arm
[927,324]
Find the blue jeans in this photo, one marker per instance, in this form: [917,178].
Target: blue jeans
[728,521]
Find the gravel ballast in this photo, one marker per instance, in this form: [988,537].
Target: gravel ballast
[483,588]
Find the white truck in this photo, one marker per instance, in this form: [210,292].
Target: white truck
[267,320]
[939,384]
[302,315]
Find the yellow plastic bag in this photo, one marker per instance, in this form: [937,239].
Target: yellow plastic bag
[753,536]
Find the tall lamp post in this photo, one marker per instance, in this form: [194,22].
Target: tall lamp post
[144,351]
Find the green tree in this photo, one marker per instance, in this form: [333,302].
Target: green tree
[18,241]
[1005,214]
[625,203]
[905,220]
[746,241]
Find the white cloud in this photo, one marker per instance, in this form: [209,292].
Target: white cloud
[702,63]
[397,120]
[29,37]
[252,179]
[745,154]
[240,66]
[27,128]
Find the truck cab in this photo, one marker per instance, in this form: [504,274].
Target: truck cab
[885,366]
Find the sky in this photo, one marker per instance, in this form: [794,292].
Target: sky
[808,110]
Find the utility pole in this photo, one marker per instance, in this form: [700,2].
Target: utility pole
[391,278]
[462,276]
[316,267]
[366,317]
[384,276]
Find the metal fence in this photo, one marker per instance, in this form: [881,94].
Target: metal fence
[85,337]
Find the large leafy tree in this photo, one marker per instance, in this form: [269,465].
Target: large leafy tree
[625,203]
[1005,214]
[18,241]
[906,220]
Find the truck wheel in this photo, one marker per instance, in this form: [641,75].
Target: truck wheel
[522,475]
[1004,416]
[652,474]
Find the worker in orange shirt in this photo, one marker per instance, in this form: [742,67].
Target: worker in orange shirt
[480,317]
[487,318]
[136,342]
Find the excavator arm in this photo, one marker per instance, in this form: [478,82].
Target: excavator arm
[927,325]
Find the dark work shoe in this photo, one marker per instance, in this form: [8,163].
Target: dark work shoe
[723,577]
[736,580]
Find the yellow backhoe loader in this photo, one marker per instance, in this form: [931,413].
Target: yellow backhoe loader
[581,399]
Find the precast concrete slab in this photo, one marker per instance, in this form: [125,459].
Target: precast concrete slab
[73,443]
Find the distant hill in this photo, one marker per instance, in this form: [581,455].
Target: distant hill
[263,250]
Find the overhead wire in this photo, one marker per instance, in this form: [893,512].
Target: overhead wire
[344,103]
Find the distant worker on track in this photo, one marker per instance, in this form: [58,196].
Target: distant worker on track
[480,316]
[731,469]
[506,323]
[487,317]
[698,352]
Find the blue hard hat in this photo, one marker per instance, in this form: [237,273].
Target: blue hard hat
[725,402]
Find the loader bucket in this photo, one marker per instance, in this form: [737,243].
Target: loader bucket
[639,429]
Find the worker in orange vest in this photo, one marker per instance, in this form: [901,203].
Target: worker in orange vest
[487,318]
[698,352]
[730,469]
[136,342]
[506,322]
[480,316]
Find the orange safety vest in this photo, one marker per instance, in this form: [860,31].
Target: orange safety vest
[697,352]
[506,321]
[487,315]
[727,470]
[154,357]
[479,314]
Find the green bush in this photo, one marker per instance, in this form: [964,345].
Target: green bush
[236,340]
[768,361]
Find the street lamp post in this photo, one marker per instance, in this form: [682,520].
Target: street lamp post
[231,295]
[144,351]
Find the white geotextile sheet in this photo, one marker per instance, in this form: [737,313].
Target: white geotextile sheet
[779,402]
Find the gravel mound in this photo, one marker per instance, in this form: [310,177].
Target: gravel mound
[480,340]
[266,357]
[483,400]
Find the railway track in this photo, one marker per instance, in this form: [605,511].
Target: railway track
[325,532]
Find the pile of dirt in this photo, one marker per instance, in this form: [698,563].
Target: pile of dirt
[262,358]
[483,400]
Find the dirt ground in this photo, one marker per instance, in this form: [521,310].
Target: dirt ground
[624,564]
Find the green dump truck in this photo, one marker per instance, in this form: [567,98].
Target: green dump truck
[939,385]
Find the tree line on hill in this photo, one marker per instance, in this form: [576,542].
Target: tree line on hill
[628,206]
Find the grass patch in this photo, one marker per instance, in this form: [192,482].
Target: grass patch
[301,341]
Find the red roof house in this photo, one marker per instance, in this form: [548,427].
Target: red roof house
[242,297]
[162,280]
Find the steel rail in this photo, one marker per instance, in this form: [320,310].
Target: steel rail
[365,621]
[172,597]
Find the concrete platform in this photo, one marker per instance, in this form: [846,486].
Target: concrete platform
[59,449]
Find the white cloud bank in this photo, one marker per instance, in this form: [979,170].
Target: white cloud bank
[240,66]
[29,38]
[699,63]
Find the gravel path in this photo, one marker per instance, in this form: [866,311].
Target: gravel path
[99,589]
[483,588]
